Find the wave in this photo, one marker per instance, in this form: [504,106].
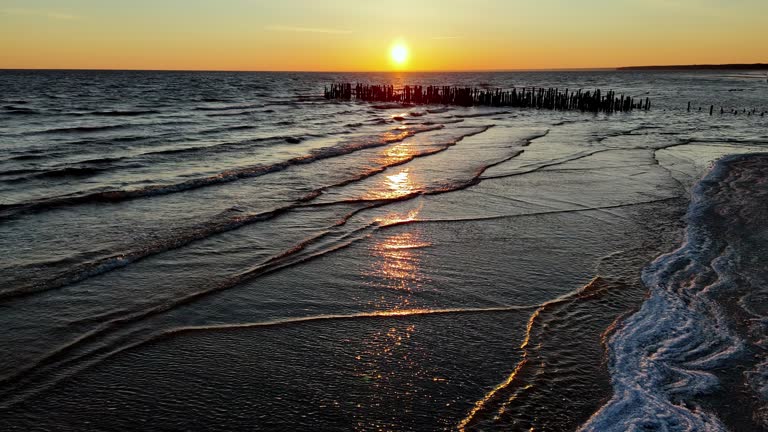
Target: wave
[17,172]
[388,106]
[225,146]
[442,121]
[126,113]
[29,156]
[102,160]
[228,220]
[33,153]
[116,335]
[481,114]
[228,107]
[235,114]
[120,333]
[139,158]
[227,129]
[84,168]
[225,221]
[83,129]
[379,121]
[313,194]
[96,345]
[536,213]
[675,349]
[74,171]
[475,179]
[10,109]
[382,314]
[489,412]
[118,195]
[527,169]
[118,139]
[729,140]
[562,377]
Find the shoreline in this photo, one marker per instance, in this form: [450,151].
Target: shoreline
[691,336]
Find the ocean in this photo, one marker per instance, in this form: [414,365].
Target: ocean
[231,251]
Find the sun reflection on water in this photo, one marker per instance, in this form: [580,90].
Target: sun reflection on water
[394,218]
[397,134]
[389,362]
[398,262]
[398,153]
[396,257]
[393,186]
[400,184]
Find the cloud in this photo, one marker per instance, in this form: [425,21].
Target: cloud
[710,8]
[307,29]
[50,14]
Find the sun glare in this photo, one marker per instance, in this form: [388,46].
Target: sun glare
[399,54]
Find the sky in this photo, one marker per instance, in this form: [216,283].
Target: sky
[357,35]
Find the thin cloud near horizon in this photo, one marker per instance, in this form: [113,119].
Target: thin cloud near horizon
[50,14]
[283,28]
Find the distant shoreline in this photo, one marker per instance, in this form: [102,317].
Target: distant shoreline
[735,66]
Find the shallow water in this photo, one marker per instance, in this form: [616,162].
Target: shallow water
[229,250]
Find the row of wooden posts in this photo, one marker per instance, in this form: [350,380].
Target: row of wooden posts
[527,97]
[734,111]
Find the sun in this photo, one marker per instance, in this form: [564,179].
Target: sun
[399,54]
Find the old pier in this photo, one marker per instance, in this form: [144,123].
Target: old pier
[526,97]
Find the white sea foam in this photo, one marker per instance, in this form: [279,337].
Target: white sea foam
[663,357]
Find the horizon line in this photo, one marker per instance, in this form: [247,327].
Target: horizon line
[564,69]
[310,71]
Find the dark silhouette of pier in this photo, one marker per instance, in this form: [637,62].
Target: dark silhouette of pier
[526,97]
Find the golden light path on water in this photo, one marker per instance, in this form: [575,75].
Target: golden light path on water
[387,362]
[401,182]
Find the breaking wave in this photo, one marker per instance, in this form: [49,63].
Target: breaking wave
[670,355]
[117,195]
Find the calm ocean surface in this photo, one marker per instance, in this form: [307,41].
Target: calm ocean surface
[230,251]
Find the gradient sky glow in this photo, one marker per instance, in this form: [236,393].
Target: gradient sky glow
[356,35]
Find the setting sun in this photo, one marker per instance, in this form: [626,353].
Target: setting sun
[399,54]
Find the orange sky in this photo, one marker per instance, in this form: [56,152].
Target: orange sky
[347,35]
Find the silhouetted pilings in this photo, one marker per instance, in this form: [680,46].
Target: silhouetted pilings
[526,97]
[734,111]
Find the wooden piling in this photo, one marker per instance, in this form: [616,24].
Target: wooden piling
[538,98]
